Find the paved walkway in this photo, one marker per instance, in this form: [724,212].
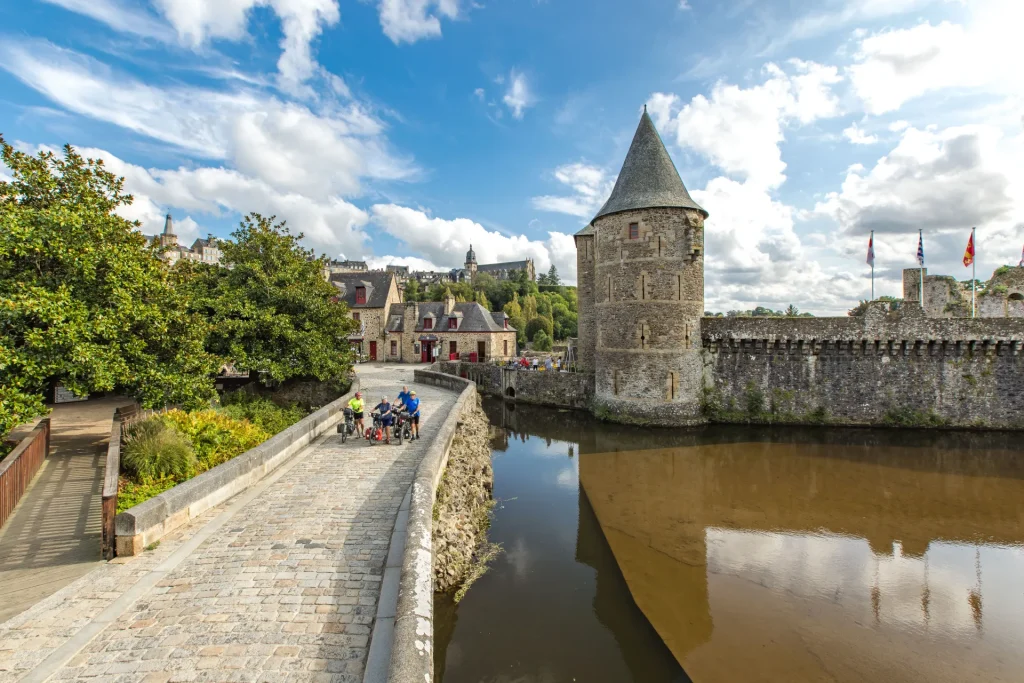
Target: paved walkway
[54,535]
[280,583]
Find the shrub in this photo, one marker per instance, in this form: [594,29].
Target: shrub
[216,437]
[539,324]
[131,493]
[261,411]
[541,342]
[153,450]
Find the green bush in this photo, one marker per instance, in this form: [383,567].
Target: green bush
[216,437]
[261,411]
[539,324]
[131,493]
[154,450]
[541,342]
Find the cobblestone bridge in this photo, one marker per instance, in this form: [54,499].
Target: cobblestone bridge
[280,583]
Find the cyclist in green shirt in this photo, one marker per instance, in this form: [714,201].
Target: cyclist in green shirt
[356,404]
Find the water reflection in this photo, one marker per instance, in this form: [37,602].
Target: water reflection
[745,554]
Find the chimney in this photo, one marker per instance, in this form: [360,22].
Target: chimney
[168,225]
[411,315]
[449,301]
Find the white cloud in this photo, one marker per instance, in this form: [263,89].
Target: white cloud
[684,5]
[286,145]
[479,93]
[413,262]
[858,137]
[590,188]
[518,96]
[119,16]
[895,66]
[740,129]
[445,242]
[898,126]
[406,21]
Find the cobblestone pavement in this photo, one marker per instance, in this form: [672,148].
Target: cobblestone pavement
[286,589]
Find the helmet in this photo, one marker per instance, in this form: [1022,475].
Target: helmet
[412,393]
[383,398]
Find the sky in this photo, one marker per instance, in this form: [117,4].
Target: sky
[402,131]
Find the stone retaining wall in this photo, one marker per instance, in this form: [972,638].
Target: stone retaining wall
[558,389]
[412,654]
[149,521]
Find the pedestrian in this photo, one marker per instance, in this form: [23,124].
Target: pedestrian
[534,363]
[386,417]
[412,406]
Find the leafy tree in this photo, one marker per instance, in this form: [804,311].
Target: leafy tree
[84,300]
[792,311]
[272,311]
[542,342]
[539,324]
[412,290]
[514,311]
[862,307]
[481,298]
[529,304]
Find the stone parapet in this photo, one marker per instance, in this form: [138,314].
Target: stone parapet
[151,520]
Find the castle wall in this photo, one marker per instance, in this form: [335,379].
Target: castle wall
[649,302]
[586,323]
[897,368]
[540,387]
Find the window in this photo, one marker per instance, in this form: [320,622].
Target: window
[615,382]
[453,348]
[634,231]
[394,347]
[673,386]
[506,341]
[355,315]
[643,286]
[506,326]
[428,323]
[360,295]
[453,323]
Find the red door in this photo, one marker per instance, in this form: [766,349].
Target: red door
[373,350]
[425,353]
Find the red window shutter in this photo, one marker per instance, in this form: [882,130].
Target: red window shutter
[355,315]
[360,295]
[506,323]
[453,323]
[428,323]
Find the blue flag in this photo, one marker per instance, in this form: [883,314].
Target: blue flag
[920,249]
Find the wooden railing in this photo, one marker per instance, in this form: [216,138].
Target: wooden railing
[18,468]
[111,471]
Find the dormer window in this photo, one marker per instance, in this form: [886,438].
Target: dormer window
[634,231]
[506,323]
[428,323]
[360,295]
[453,323]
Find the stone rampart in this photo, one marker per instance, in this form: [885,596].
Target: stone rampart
[898,368]
[546,388]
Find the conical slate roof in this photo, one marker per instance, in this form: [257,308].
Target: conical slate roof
[648,178]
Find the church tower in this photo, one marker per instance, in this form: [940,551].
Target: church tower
[471,264]
[168,238]
[640,270]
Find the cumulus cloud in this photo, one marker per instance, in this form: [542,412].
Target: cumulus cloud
[445,241]
[590,187]
[414,263]
[285,144]
[406,21]
[119,16]
[897,65]
[858,137]
[518,96]
[740,129]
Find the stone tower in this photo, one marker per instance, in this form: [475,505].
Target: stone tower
[471,264]
[640,270]
[168,238]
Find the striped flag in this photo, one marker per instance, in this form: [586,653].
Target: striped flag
[969,253]
[871,250]
[920,248]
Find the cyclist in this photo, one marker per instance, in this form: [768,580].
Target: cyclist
[412,406]
[386,418]
[356,405]
[403,398]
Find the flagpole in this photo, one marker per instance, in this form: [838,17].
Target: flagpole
[920,243]
[872,265]
[974,272]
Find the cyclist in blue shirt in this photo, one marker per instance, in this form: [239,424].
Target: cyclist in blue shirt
[403,397]
[386,417]
[412,405]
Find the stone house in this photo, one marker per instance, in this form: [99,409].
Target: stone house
[203,251]
[419,332]
[369,297]
[945,297]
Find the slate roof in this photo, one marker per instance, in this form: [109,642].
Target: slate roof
[204,244]
[648,178]
[473,316]
[508,265]
[587,229]
[377,285]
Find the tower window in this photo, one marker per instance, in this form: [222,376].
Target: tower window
[643,286]
[679,287]
[609,288]
[659,245]
[673,386]
[634,231]
[615,382]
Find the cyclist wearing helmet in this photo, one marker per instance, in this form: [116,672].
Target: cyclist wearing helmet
[356,405]
[412,406]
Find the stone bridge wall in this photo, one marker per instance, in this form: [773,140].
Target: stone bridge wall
[897,368]
[559,389]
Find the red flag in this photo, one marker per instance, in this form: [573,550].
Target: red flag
[969,253]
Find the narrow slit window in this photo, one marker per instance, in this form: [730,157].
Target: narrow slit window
[643,286]
[659,246]
[615,382]
[634,231]
[609,288]
[679,287]
[643,336]
[672,386]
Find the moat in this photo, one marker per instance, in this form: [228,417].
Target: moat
[743,553]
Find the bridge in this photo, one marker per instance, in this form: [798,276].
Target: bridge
[285,581]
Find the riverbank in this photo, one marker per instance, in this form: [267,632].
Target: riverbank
[463,505]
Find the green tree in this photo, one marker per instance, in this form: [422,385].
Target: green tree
[412,290]
[272,311]
[792,311]
[514,311]
[539,324]
[481,298]
[529,304]
[84,300]
[542,342]
[552,277]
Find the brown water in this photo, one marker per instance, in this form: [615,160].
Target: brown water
[744,554]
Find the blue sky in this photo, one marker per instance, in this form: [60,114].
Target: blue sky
[402,130]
